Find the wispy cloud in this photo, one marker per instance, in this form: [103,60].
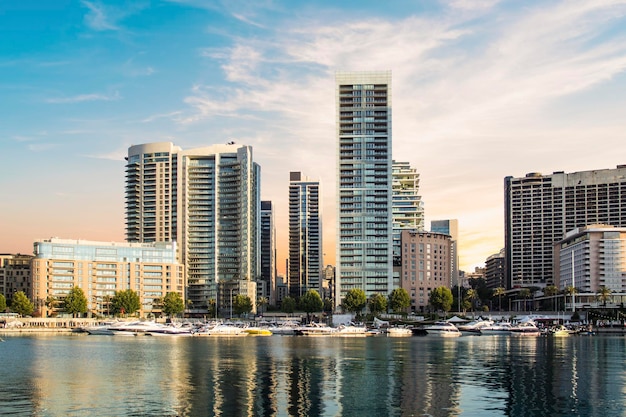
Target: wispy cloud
[84,97]
[247,20]
[42,147]
[97,18]
[171,115]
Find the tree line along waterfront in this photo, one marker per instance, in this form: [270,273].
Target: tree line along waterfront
[443,301]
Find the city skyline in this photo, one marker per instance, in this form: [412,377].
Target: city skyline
[482,90]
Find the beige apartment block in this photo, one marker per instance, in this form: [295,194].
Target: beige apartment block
[425,265]
[101,269]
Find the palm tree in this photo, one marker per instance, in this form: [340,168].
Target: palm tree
[499,292]
[262,302]
[472,295]
[550,291]
[570,290]
[603,294]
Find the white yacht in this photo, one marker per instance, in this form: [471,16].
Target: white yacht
[316,329]
[442,329]
[399,332]
[497,328]
[475,326]
[135,328]
[350,330]
[221,330]
[527,328]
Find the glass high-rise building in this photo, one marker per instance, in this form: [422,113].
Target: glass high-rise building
[540,209]
[208,201]
[364,175]
[268,253]
[305,235]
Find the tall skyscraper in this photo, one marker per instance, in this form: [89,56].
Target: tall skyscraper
[268,253]
[364,216]
[540,209]
[206,199]
[450,227]
[407,209]
[305,235]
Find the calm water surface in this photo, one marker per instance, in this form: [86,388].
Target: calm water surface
[82,375]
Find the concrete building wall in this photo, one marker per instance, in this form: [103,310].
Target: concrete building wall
[540,209]
[425,265]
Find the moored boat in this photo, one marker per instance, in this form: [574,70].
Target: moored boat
[497,328]
[135,328]
[527,328]
[221,330]
[399,332]
[316,329]
[258,331]
[442,329]
[475,326]
[350,330]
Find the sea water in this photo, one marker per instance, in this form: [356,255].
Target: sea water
[82,375]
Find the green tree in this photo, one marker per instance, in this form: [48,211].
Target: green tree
[125,302]
[173,304]
[441,299]
[355,300]
[21,305]
[75,302]
[242,304]
[603,294]
[311,302]
[3,304]
[377,304]
[399,300]
[288,305]
[499,292]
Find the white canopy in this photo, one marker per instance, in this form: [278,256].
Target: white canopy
[456,319]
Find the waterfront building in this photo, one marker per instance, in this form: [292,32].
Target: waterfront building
[206,199]
[267,282]
[592,257]
[450,227]
[425,265]
[15,275]
[102,268]
[364,178]
[305,235]
[407,209]
[494,270]
[539,209]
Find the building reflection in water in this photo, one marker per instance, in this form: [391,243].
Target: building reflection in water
[304,376]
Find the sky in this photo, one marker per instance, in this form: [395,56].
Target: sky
[481,90]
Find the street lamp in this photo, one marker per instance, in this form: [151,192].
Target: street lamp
[231,303]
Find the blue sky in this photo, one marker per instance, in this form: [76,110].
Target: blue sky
[482,89]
